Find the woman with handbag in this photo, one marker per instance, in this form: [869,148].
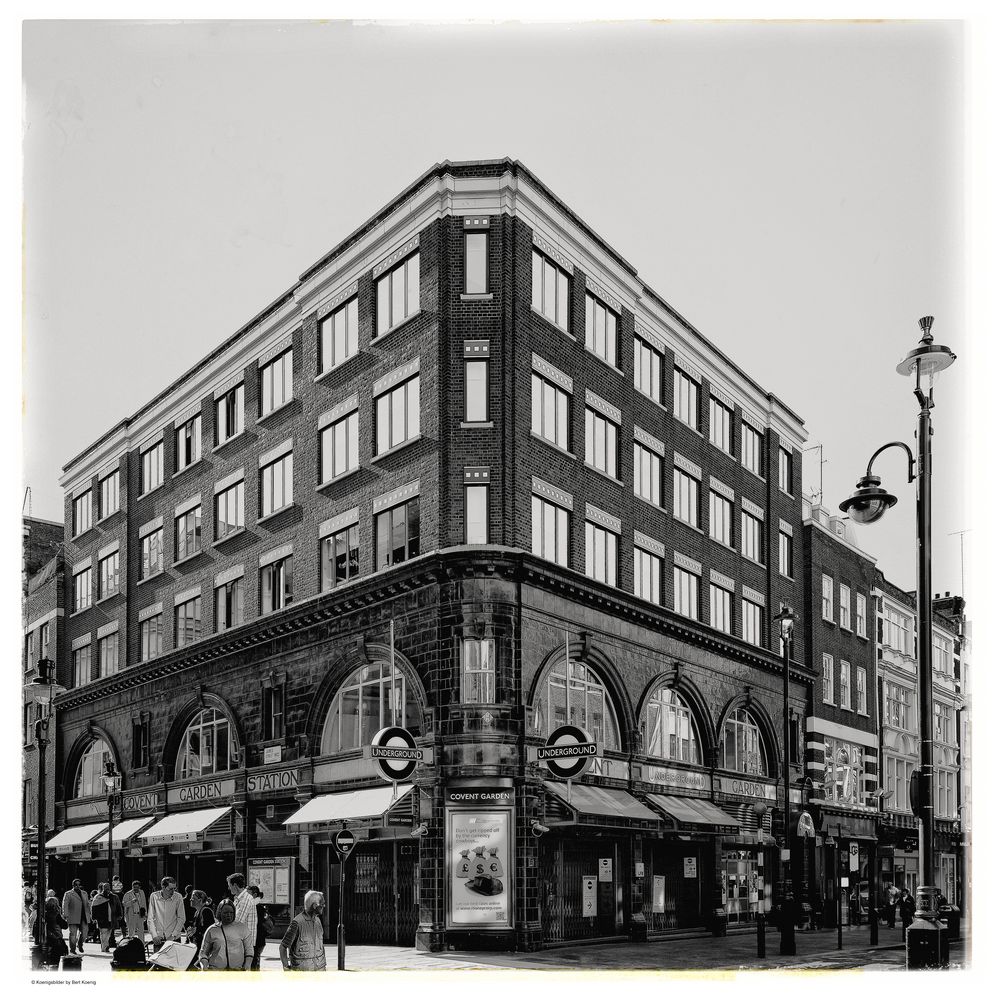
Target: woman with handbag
[50,926]
[264,926]
[228,945]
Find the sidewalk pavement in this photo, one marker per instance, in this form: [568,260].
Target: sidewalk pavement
[734,952]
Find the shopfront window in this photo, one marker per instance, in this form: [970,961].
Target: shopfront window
[89,775]
[844,772]
[208,746]
[743,744]
[670,728]
[372,698]
[581,700]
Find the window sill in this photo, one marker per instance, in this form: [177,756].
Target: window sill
[184,469]
[230,535]
[606,476]
[109,516]
[274,514]
[597,355]
[77,612]
[787,494]
[76,539]
[688,525]
[548,321]
[475,297]
[396,448]
[146,580]
[336,368]
[395,328]
[750,559]
[724,545]
[553,445]
[108,597]
[690,428]
[475,424]
[232,438]
[725,452]
[652,400]
[277,410]
[860,636]
[188,558]
[847,629]
[336,480]
[791,580]
[846,708]
[823,618]
[651,504]
[152,490]
[753,473]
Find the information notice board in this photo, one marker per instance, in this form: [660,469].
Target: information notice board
[273,875]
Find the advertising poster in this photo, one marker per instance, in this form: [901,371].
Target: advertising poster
[659,893]
[480,875]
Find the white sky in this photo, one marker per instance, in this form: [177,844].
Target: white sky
[794,190]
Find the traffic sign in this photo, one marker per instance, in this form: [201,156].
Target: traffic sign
[395,754]
[854,851]
[344,843]
[589,897]
[568,752]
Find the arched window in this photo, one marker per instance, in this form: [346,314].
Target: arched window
[89,774]
[743,744]
[208,746]
[363,706]
[581,701]
[670,728]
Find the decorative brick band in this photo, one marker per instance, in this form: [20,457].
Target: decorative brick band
[603,407]
[340,297]
[690,370]
[279,553]
[720,488]
[226,482]
[82,565]
[80,642]
[185,416]
[651,338]
[107,630]
[649,441]
[755,596]
[479,348]
[785,527]
[108,550]
[192,502]
[150,441]
[686,563]
[546,369]
[151,526]
[476,475]
[721,580]
[754,509]
[42,619]
[598,291]
[276,350]
[687,466]
[225,576]
[404,250]
[720,396]
[602,518]
[107,470]
[474,222]
[345,407]
[551,493]
[400,494]
[398,375]
[557,256]
[643,541]
[753,422]
[150,610]
[191,592]
[276,453]
[227,385]
[342,521]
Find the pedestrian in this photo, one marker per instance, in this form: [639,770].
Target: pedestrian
[246,907]
[29,904]
[76,912]
[118,886]
[228,944]
[301,948]
[907,908]
[101,911]
[188,908]
[48,928]
[93,930]
[166,913]
[263,919]
[891,902]
[201,917]
[117,916]
[134,907]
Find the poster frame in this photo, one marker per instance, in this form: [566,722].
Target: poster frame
[506,814]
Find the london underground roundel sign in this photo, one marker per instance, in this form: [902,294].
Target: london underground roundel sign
[569,752]
[395,754]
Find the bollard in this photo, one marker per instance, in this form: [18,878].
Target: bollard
[840,920]
[761,952]
[71,962]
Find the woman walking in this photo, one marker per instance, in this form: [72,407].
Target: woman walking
[228,945]
[201,918]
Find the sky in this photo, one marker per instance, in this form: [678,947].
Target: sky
[796,190]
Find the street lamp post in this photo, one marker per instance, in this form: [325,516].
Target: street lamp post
[786,619]
[927,938]
[112,780]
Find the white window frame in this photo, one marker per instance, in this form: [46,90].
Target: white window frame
[478,671]
[827,598]
[232,398]
[601,554]
[785,554]
[152,467]
[845,685]
[549,531]
[271,483]
[861,690]
[845,606]
[397,415]
[752,445]
[188,439]
[720,425]
[601,446]
[477,525]
[151,542]
[687,399]
[751,539]
[647,474]
[276,381]
[753,622]
[338,448]
[338,336]
[602,330]
[860,615]
[720,518]
[549,411]
[392,309]
[110,485]
[549,290]
[647,369]
[828,687]
[83,512]
[648,576]
[687,593]
[687,498]
[720,601]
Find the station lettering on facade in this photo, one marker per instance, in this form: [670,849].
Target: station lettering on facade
[276,780]
[674,778]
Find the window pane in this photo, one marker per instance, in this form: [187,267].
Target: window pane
[475,263]
[413,284]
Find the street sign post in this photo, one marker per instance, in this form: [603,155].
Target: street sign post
[343,843]
[853,850]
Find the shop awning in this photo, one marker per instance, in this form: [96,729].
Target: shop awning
[347,806]
[123,832]
[75,836]
[608,803]
[693,811]
[182,827]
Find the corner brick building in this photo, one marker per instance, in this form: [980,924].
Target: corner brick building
[470,475]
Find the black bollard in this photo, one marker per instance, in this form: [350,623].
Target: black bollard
[761,952]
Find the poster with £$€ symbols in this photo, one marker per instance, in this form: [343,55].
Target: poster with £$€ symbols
[479,858]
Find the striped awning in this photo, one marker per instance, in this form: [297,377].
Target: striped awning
[123,832]
[182,827]
[74,837]
[608,803]
[693,811]
[347,806]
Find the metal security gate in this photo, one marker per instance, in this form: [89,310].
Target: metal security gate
[563,865]
[379,900]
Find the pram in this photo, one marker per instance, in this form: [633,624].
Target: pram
[173,956]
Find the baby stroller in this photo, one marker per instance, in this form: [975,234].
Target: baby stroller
[173,956]
[130,955]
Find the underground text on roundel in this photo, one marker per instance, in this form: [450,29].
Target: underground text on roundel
[576,750]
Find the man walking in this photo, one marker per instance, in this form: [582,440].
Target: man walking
[166,913]
[246,906]
[103,914]
[301,948]
[76,912]
[134,904]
